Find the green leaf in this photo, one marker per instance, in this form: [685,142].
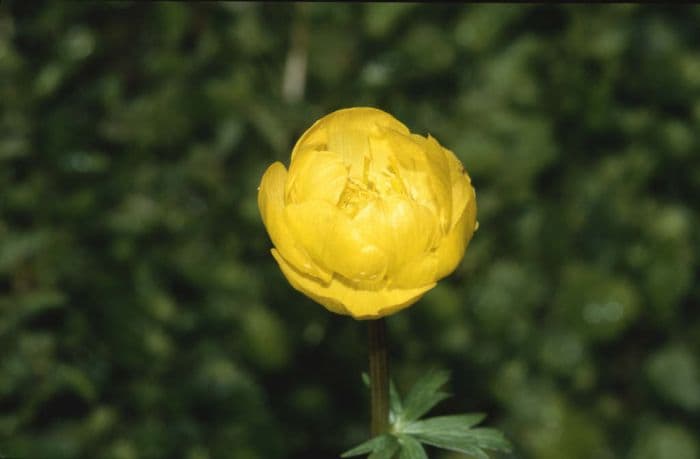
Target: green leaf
[387,451]
[366,447]
[444,424]
[452,445]
[377,445]
[469,441]
[395,404]
[424,395]
[411,448]
[489,438]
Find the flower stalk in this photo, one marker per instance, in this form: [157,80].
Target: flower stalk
[379,377]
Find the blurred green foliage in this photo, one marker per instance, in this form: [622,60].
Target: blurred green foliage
[142,316]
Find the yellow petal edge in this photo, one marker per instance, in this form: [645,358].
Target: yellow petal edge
[341,298]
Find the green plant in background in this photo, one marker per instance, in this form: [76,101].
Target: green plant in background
[140,316]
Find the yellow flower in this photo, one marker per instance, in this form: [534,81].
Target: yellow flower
[369,216]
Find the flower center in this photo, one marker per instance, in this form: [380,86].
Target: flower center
[356,196]
[375,183]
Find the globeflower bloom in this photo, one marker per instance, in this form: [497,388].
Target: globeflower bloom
[369,216]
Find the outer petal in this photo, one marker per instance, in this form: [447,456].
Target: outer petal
[452,248]
[341,298]
[462,190]
[346,132]
[332,240]
[442,185]
[315,174]
[271,205]
[407,232]
[422,271]
[423,168]
[410,163]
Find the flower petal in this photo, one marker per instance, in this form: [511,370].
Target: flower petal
[462,190]
[405,230]
[315,174]
[341,298]
[346,132]
[423,169]
[452,248]
[441,181]
[330,238]
[271,205]
[409,159]
[422,271]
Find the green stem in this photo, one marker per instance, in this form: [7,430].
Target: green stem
[379,376]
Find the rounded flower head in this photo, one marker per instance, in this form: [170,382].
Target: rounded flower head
[369,216]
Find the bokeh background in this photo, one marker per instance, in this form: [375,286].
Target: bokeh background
[142,316]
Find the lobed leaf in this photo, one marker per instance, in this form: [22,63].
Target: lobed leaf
[369,446]
[395,404]
[411,448]
[444,424]
[387,450]
[453,445]
[424,395]
[469,441]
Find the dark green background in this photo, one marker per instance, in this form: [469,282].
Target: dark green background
[142,316]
